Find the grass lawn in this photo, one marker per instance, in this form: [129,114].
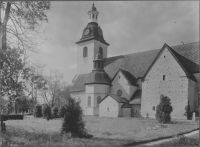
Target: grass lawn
[106,131]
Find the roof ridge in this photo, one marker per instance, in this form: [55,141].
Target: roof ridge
[184,44]
[152,49]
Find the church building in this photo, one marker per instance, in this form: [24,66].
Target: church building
[131,85]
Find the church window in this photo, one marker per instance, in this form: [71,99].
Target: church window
[98,100]
[89,101]
[163,77]
[96,16]
[164,56]
[101,50]
[108,109]
[154,108]
[119,92]
[85,52]
[92,15]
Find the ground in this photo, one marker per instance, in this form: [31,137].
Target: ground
[123,130]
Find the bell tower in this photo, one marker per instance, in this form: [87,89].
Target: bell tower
[91,42]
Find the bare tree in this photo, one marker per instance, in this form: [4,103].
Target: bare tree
[19,29]
[56,90]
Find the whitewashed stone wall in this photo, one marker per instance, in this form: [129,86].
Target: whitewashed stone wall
[136,110]
[95,90]
[121,83]
[175,86]
[109,108]
[126,112]
[85,65]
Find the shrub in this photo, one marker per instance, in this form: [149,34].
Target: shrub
[187,113]
[62,111]
[163,110]
[46,111]
[73,122]
[38,111]
[55,111]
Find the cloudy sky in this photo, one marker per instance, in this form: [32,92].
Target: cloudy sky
[129,27]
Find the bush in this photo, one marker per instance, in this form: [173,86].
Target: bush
[62,111]
[38,111]
[163,110]
[46,111]
[73,122]
[187,113]
[55,112]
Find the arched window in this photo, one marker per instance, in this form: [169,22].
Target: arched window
[89,101]
[154,107]
[96,16]
[98,100]
[101,51]
[92,15]
[85,52]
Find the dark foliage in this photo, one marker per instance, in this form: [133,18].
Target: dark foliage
[73,123]
[188,113]
[182,141]
[55,112]
[38,111]
[163,110]
[46,111]
[62,111]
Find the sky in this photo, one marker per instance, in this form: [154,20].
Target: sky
[128,26]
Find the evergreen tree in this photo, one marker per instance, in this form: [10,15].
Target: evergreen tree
[55,111]
[46,111]
[73,122]
[38,111]
[62,111]
[163,110]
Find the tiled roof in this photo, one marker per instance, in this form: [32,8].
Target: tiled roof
[126,105]
[78,84]
[117,98]
[188,55]
[136,98]
[137,64]
[131,79]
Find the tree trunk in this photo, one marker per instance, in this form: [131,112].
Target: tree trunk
[0,52]
[3,26]
[5,21]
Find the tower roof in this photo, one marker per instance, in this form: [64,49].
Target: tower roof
[93,9]
[97,77]
[92,31]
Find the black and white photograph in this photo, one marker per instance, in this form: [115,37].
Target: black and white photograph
[99,73]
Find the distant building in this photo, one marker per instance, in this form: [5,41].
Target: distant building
[131,85]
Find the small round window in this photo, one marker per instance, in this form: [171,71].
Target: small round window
[119,92]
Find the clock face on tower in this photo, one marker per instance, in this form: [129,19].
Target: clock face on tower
[87,32]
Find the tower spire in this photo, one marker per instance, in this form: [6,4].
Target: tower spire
[93,14]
